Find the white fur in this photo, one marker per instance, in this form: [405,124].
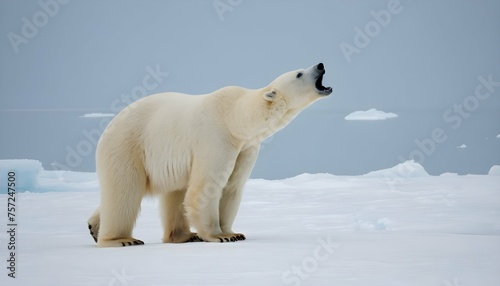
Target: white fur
[194,152]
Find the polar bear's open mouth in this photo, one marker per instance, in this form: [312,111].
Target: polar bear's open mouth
[324,90]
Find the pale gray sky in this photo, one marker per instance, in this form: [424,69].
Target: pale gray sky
[429,62]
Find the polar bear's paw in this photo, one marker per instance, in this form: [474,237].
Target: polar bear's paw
[225,237]
[180,237]
[194,238]
[119,242]
[94,231]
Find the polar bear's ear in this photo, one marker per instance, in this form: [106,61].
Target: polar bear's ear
[269,95]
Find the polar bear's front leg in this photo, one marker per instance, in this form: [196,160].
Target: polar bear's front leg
[203,197]
[233,192]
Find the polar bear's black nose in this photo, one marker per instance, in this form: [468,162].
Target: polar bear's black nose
[320,66]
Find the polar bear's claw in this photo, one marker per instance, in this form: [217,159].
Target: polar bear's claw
[94,235]
[195,238]
[121,242]
[229,237]
[134,242]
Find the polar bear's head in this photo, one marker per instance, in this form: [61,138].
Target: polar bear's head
[298,89]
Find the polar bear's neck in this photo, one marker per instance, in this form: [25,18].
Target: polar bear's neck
[252,118]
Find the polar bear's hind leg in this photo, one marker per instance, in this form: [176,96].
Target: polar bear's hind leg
[94,223]
[121,194]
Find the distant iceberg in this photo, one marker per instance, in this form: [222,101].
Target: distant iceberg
[97,115]
[494,171]
[371,114]
[26,173]
[31,177]
[406,169]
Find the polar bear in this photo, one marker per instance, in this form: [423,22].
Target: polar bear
[195,153]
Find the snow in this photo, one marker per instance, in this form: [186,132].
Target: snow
[97,115]
[371,114]
[463,146]
[312,229]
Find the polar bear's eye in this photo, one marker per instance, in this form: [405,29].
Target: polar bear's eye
[299,75]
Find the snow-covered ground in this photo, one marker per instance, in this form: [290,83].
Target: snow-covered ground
[385,228]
